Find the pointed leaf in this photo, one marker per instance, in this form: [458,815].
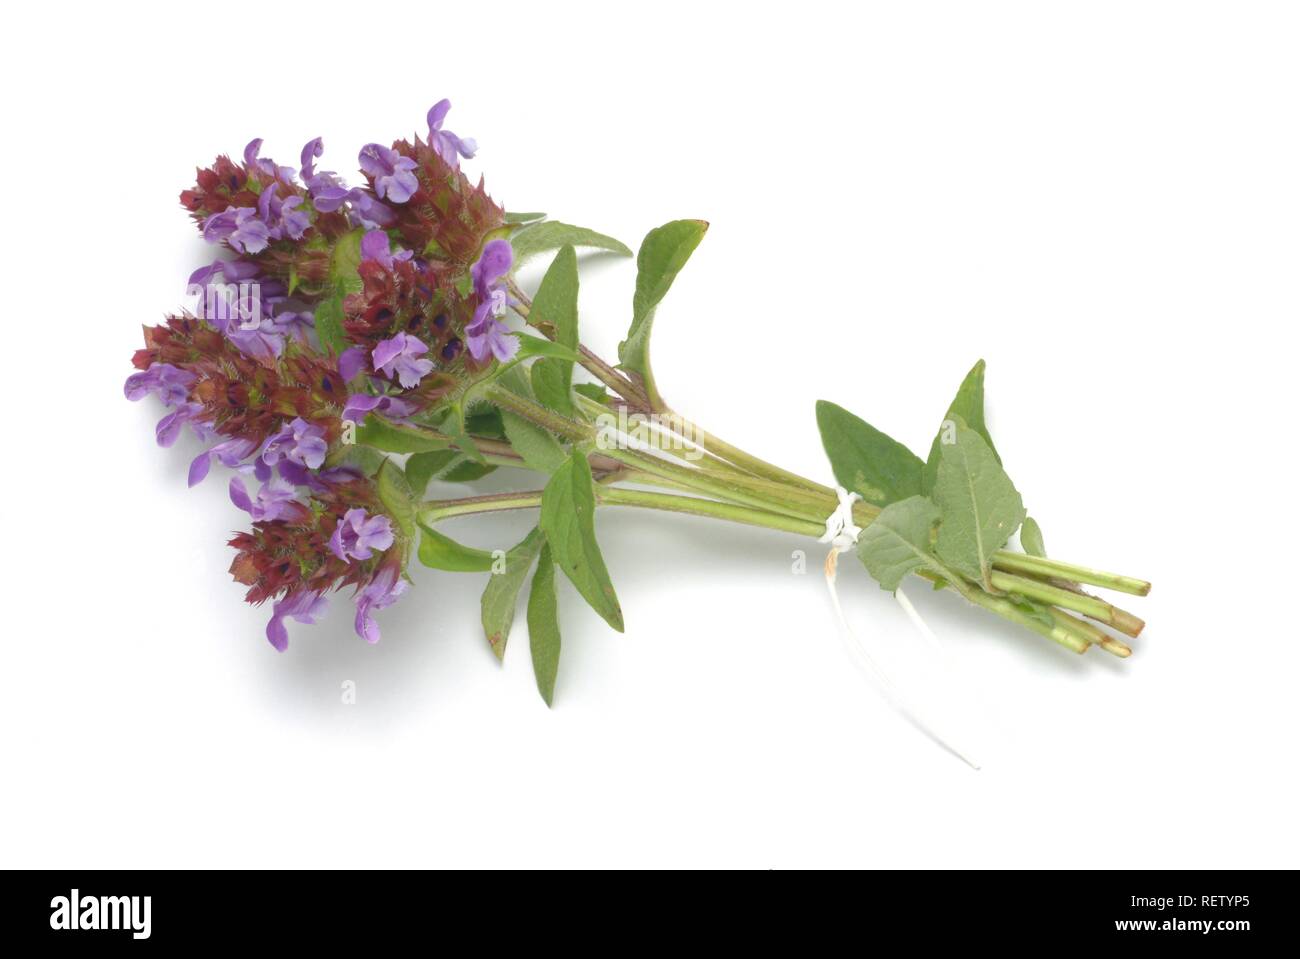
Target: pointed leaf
[978,502]
[502,592]
[530,346]
[556,307]
[968,406]
[866,461]
[568,519]
[898,541]
[663,253]
[442,552]
[544,626]
[538,237]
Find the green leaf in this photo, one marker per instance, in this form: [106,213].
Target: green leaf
[367,459]
[530,346]
[556,306]
[534,238]
[466,471]
[551,385]
[329,323]
[486,421]
[454,425]
[967,406]
[1031,538]
[395,438]
[502,593]
[568,519]
[395,494]
[592,391]
[539,448]
[663,253]
[866,461]
[544,626]
[980,506]
[422,467]
[442,552]
[523,217]
[345,258]
[898,541]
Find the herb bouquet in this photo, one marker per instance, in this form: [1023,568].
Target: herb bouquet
[356,347]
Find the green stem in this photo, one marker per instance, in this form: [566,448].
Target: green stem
[434,511]
[616,496]
[1041,566]
[560,425]
[739,457]
[701,482]
[1052,595]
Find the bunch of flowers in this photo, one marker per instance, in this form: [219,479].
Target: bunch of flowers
[351,345]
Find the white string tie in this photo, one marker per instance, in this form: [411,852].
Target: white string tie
[842,535]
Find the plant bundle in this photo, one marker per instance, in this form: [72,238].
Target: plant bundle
[356,343]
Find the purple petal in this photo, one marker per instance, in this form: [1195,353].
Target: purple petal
[493,263]
[374,246]
[310,153]
[438,113]
[199,468]
[388,350]
[239,495]
[351,362]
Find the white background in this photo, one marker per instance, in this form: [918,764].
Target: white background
[1100,199]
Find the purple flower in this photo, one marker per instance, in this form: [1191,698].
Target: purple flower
[171,384]
[239,227]
[230,453]
[391,172]
[311,152]
[358,533]
[485,334]
[351,362]
[374,246]
[274,500]
[328,192]
[370,213]
[493,264]
[445,143]
[231,271]
[397,357]
[170,426]
[262,342]
[359,404]
[294,324]
[298,442]
[253,162]
[281,216]
[304,606]
[490,337]
[381,592]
